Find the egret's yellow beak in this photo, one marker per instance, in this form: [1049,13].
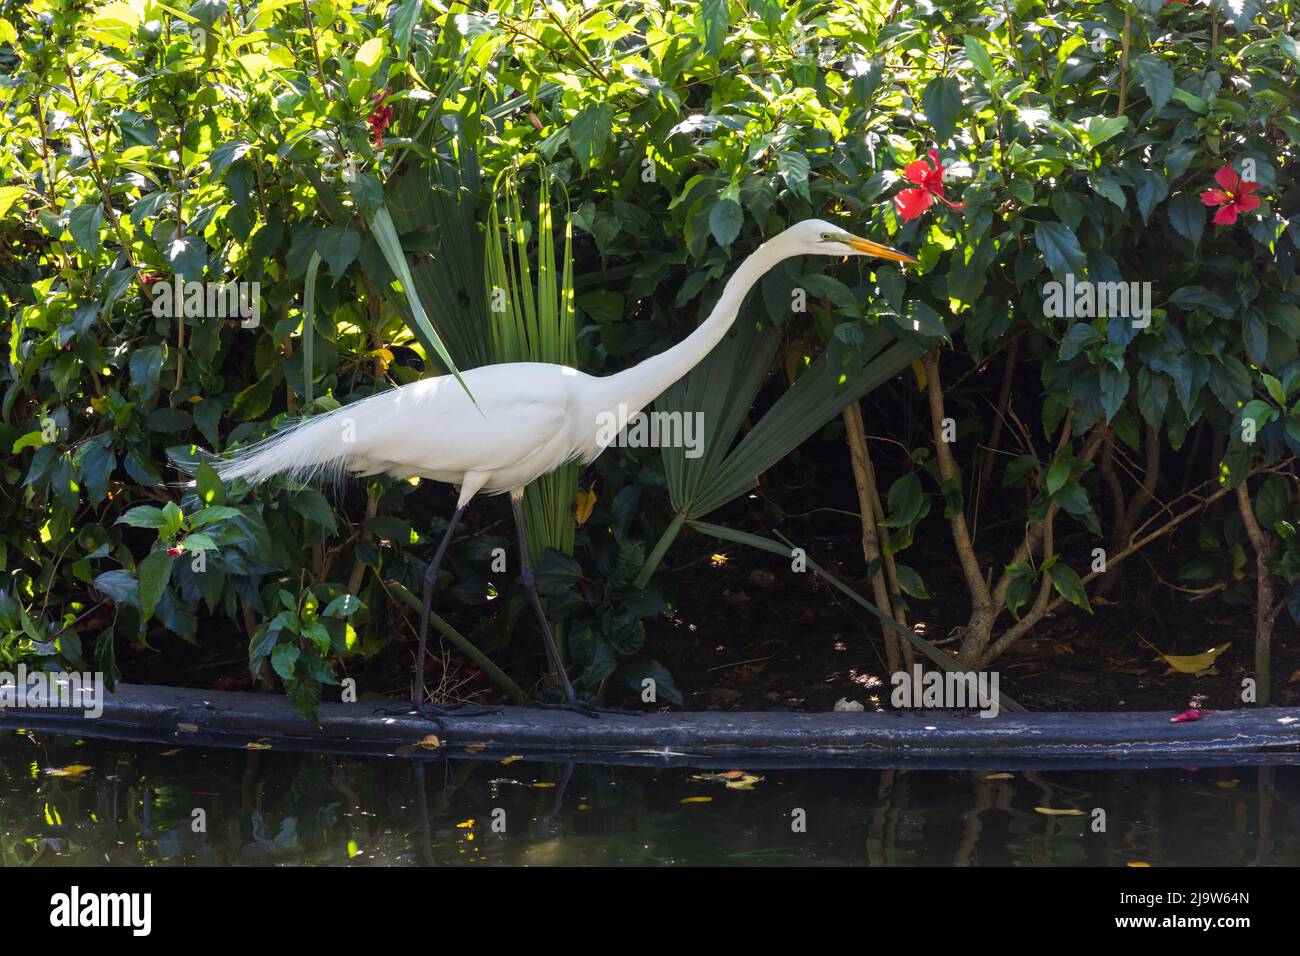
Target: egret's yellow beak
[879,251]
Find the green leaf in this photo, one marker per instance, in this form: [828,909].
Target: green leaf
[909,581]
[1057,476]
[1018,469]
[1156,78]
[207,12]
[119,586]
[312,505]
[725,220]
[338,246]
[906,499]
[284,658]
[1272,501]
[1067,584]
[1191,297]
[712,21]
[1108,188]
[403,16]
[208,485]
[794,169]
[941,103]
[84,223]
[187,256]
[1099,129]
[155,571]
[1072,498]
[1187,216]
[1060,248]
[1077,338]
[214,513]
[589,133]
[369,56]
[665,687]
[8,196]
[345,605]
[978,56]
[144,516]
[253,401]
[1153,396]
[96,463]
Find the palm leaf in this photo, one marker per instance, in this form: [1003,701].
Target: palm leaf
[436,204]
[700,486]
[386,235]
[535,323]
[309,329]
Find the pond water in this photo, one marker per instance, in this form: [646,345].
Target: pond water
[109,803]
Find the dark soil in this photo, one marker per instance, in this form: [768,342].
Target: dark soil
[751,634]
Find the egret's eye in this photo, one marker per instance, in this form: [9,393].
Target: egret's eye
[826,237]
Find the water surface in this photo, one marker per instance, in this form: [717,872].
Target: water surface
[138,805]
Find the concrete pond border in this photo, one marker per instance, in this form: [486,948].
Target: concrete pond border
[174,716]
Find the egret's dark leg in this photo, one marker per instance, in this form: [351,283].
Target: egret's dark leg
[548,819]
[571,701]
[530,585]
[430,579]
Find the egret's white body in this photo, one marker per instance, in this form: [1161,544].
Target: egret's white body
[524,420]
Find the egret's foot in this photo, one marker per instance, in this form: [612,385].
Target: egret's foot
[435,711]
[584,708]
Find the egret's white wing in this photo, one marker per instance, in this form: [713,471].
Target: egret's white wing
[431,428]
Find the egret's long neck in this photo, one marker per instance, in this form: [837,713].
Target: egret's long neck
[638,386]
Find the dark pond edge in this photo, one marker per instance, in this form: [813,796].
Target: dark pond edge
[174,716]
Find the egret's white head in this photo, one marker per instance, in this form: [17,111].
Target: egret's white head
[817,237]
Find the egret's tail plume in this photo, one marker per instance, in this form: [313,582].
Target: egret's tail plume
[312,448]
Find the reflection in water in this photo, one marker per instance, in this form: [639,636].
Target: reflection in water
[147,804]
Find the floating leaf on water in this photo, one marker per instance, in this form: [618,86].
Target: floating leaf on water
[188,728]
[1053,812]
[1138,863]
[999,776]
[256,745]
[696,800]
[475,748]
[465,824]
[74,771]
[511,759]
[431,742]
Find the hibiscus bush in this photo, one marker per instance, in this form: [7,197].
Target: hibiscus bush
[1034,156]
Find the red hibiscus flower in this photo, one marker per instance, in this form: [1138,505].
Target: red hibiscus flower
[928,177]
[1235,196]
[175,551]
[380,117]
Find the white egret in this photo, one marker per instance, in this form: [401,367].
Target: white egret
[525,419]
